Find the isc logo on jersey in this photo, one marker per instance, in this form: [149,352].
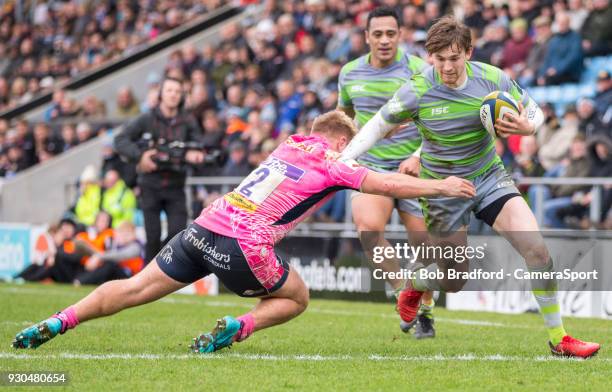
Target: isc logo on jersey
[439,111]
[358,88]
[394,106]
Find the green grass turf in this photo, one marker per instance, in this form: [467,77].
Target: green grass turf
[359,346]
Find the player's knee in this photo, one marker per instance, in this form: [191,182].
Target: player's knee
[369,225]
[366,221]
[302,299]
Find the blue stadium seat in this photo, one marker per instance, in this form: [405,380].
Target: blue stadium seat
[538,94]
[554,94]
[587,90]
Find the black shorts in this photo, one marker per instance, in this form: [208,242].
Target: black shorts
[197,252]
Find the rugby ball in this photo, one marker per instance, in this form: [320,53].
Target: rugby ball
[494,106]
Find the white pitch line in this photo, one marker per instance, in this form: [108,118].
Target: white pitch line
[296,357]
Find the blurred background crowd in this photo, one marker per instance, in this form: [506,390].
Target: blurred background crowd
[268,79]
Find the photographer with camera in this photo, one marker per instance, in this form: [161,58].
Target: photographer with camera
[162,142]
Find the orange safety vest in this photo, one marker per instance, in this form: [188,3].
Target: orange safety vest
[135,264]
[100,243]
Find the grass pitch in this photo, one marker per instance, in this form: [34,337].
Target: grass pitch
[334,345]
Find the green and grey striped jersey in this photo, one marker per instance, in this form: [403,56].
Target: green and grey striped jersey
[454,140]
[366,89]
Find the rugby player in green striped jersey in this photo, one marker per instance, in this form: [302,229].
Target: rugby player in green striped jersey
[364,86]
[444,101]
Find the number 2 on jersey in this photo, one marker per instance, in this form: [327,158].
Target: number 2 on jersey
[260,184]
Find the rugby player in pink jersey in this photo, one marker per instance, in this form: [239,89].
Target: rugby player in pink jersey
[234,237]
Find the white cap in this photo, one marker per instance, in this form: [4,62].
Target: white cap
[90,174]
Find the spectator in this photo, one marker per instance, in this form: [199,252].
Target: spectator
[90,193]
[190,59]
[53,111]
[69,138]
[556,147]
[357,45]
[98,236]
[62,264]
[550,126]
[603,99]
[555,198]
[597,30]
[590,122]
[526,162]
[488,49]
[576,215]
[162,183]
[563,61]
[122,260]
[127,106]
[45,143]
[516,49]
[14,161]
[289,107]
[92,107]
[84,132]
[69,107]
[577,13]
[117,199]
[199,100]
[537,54]
[472,16]
[237,164]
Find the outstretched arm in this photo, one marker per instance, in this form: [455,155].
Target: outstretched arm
[399,110]
[372,131]
[401,186]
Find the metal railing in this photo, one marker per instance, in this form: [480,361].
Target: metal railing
[597,184]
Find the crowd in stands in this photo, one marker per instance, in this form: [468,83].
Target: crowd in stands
[261,82]
[47,42]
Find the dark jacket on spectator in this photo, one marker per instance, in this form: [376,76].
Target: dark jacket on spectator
[600,167]
[485,52]
[597,28]
[594,125]
[603,102]
[564,55]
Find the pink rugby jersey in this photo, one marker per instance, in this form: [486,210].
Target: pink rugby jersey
[296,179]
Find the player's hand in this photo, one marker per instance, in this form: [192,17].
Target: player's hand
[194,157]
[457,187]
[512,124]
[411,166]
[146,164]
